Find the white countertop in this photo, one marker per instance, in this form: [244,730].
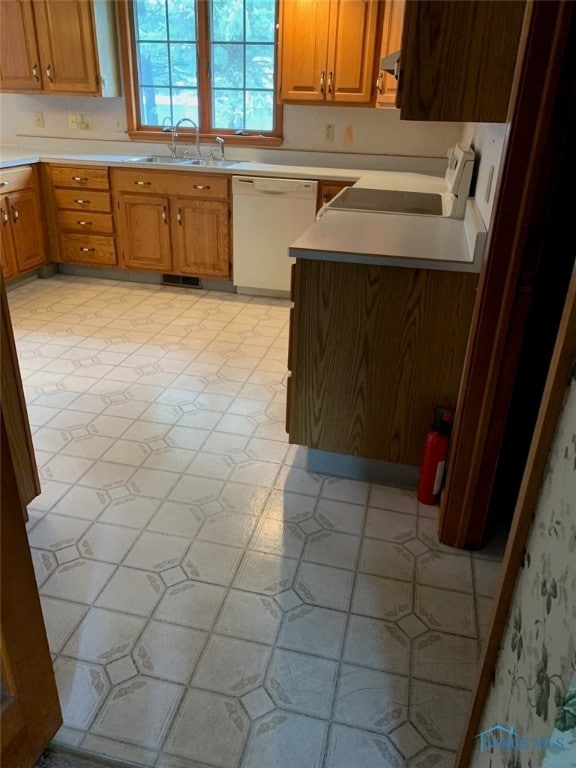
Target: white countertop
[428,242]
[396,240]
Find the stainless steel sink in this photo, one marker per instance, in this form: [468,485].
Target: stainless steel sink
[387,201]
[160,159]
[163,160]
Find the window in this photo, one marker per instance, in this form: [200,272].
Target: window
[212,61]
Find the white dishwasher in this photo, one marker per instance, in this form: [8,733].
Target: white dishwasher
[268,215]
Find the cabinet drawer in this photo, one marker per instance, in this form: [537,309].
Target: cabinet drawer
[182,183]
[12,179]
[87,178]
[88,249]
[87,223]
[88,201]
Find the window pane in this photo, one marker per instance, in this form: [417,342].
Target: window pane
[260,21]
[260,66]
[228,66]
[185,104]
[150,19]
[227,20]
[154,105]
[183,64]
[153,64]
[259,111]
[228,109]
[182,19]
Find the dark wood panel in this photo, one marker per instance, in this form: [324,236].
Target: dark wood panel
[458,59]
[374,350]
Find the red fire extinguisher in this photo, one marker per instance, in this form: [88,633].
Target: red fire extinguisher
[434,457]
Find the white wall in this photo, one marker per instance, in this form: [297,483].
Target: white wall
[356,130]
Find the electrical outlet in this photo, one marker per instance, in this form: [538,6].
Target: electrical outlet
[119,124]
[329,130]
[83,122]
[39,119]
[72,121]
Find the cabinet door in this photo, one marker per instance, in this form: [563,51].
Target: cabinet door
[66,41]
[458,59]
[351,71]
[19,60]
[202,237]
[386,84]
[7,260]
[144,232]
[304,50]
[27,232]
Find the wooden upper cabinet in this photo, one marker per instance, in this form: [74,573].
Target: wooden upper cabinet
[19,58]
[458,59]
[59,47]
[386,84]
[67,48]
[201,237]
[327,51]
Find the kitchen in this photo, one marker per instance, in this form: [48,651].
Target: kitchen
[362,139]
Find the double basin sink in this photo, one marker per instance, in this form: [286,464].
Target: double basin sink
[163,160]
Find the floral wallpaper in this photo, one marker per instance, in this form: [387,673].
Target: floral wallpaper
[533,697]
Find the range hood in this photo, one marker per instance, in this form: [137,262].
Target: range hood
[390,63]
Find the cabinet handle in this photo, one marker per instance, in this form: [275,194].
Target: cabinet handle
[49,73]
[379,83]
[85,223]
[87,250]
[15,214]
[143,183]
[35,72]
[80,179]
[4,215]
[322,82]
[4,183]
[329,82]
[164,217]
[83,202]
[179,217]
[200,186]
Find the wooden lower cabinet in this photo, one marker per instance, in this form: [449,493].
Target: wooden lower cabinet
[373,350]
[144,232]
[173,222]
[201,237]
[23,244]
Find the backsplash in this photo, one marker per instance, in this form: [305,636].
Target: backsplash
[356,130]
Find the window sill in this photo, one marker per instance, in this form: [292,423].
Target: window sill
[189,137]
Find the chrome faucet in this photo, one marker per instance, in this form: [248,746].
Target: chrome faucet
[220,142]
[173,129]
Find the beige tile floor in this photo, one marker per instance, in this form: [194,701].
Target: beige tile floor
[209,603]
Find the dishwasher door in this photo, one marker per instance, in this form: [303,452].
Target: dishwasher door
[268,215]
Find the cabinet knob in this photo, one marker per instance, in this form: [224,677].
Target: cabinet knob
[143,183]
[35,72]
[83,202]
[4,183]
[85,223]
[80,179]
[4,215]
[49,73]
[87,250]
[201,186]
[15,214]
[329,82]
[322,75]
